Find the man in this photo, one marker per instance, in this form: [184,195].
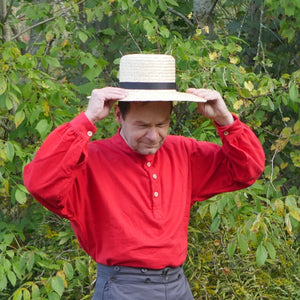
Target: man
[128,197]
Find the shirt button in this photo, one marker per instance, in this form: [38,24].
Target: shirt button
[148,164]
[226,132]
[89,133]
[154,176]
[155,194]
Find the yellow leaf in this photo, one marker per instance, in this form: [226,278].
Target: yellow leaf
[283,165]
[242,70]
[213,55]
[279,206]
[256,224]
[206,29]
[62,275]
[238,104]
[297,127]
[286,119]
[46,108]
[288,224]
[295,214]
[234,60]
[64,43]
[249,85]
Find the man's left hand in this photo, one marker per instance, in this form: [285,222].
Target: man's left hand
[215,107]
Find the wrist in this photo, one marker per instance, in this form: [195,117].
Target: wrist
[90,117]
[224,120]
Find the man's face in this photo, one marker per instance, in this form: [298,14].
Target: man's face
[145,126]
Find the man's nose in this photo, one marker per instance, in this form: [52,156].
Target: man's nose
[152,134]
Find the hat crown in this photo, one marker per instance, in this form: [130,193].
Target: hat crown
[147,68]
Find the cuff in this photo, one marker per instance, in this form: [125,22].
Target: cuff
[83,126]
[233,128]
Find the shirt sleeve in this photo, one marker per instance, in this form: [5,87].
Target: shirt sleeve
[51,174]
[235,165]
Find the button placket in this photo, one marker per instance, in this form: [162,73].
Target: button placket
[155,187]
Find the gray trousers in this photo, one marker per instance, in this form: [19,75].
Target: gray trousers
[126,283]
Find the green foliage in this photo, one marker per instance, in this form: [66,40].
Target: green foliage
[243,245]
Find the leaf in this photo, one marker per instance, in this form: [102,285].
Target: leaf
[172,2]
[19,117]
[10,151]
[238,104]
[290,201]
[92,73]
[50,61]
[30,261]
[44,128]
[8,103]
[11,277]
[35,291]
[162,5]
[82,36]
[213,55]
[261,255]
[279,207]
[295,156]
[271,250]
[215,224]
[69,271]
[53,296]
[288,224]
[3,282]
[297,127]
[18,294]
[20,196]
[81,267]
[108,31]
[152,6]
[3,85]
[294,93]
[295,213]
[231,247]
[243,243]
[58,285]
[62,275]
[213,209]
[256,224]
[249,85]
[26,294]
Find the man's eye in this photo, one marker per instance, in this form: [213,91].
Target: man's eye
[162,125]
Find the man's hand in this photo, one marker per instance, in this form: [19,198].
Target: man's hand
[101,102]
[215,107]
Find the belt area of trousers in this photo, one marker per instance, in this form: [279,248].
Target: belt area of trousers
[130,274]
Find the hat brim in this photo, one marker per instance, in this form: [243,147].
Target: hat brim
[160,95]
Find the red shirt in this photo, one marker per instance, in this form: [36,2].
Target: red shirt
[131,209]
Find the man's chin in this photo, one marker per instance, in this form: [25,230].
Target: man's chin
[148,151]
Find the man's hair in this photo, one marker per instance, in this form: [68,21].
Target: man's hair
[125,107]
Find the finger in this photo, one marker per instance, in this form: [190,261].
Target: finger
[207,94]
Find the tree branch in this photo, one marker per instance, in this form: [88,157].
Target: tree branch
[8,11]
[43,22]
[185,19]
[35,25]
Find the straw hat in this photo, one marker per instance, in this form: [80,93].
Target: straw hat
[151,77]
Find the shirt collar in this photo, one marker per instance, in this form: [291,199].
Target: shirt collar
[119,142]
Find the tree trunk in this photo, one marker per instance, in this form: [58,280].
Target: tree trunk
[203,13]
[6,32]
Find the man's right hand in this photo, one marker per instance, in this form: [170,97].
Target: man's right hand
[101,102]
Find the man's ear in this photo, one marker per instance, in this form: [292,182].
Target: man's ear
[118,115]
